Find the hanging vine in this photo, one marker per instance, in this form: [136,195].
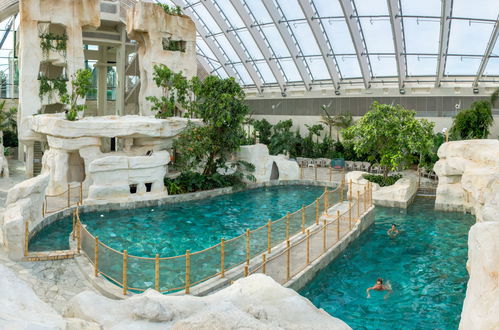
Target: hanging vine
[48,86]
[50,41]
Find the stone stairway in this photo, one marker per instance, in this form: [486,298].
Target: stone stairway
[429,192]
[37,159]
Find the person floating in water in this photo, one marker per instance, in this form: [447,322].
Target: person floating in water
[392,232]
[379,286]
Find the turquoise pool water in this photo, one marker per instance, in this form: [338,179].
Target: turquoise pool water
[172,229]
[425,264]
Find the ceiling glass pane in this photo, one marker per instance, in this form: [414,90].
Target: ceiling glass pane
[418,65]
[317,68]
[250,44]
[469,37]
[328,8]
[290,70]
[492,68]
[349,66]
[305,38]
[245,77]
[421,7]
[203,46]
[487,9]
[371,7]
[227,48]
[378,34]
[383,66]
[258,10]
[421,35]
[339,36]
[230,13]
[462,65]
[291,9]
[275,40]
[265,72]
[208,21]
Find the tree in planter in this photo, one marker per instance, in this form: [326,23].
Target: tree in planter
[473,123]
[176,90]
[389,134]
[80,86]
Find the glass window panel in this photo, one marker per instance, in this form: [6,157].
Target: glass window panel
[492,68]
[290,70]
[250,44]
[230,13]
[243,73]
[383,66]
[418,65]
[421,36]
[305,38]
[371,7]
[317,68]
[349,66]
[378,34]
[421,7]
[291,9]
[258,10]
[227,48]
[462,65]
[207,21]
[339,36]
[266,73]
[487,9]
[275,40]
[203,46]
[466,38]
[328,8]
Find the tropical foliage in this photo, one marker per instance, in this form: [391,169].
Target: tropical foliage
[340,121]
[51,41]
[80,86]
[8,126]
[473,123]
[382,180]
[174,10]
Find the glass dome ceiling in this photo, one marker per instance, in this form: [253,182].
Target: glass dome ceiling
[280,43]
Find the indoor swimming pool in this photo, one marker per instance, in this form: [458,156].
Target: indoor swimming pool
[425,265]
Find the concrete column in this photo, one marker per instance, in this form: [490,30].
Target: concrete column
[102,82]
[120,72]
[30,155]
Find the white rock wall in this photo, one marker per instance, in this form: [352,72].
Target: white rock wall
[468,174]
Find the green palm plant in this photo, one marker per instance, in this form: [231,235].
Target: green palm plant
[340,121]
[494,97]
[7,120]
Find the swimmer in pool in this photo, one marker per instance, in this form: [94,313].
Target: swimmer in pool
[392,232]
[379,286]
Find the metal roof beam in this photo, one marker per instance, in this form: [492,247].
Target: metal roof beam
[257,37]
[394,10]
[321,41]
[288,40]
[445,21]
[488,52]
[202,32]
[356,35]
[215,14]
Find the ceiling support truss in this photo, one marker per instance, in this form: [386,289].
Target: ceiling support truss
[445,21]
[395,19]
[488,52]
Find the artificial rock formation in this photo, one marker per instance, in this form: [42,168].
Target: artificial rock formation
[468,173]
[4,164]
[400,194]
[23,205]
[155,31]
[268,167]
[255,302]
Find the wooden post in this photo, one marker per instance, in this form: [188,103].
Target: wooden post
[187,271]
[324,227]
[341,192]
[350,190]
[287,225]
[222,258]
[78,236]
[338,225]
[156,273]
[125,265]
[358,204]
[303,219]
[288,260]
[446,135]
[269,236]
[350,214]
[81,192]
[247,246]
[96,256]
[245,270]
[317,211]
[365,199]
[43,209]
[308,247]
[325,200]
[330,173]
[74,225]
[69,195]
[26,238]
[315,168]
[264,263]
[301,172]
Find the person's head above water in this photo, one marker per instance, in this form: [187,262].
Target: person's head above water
[394,226]
[379,280]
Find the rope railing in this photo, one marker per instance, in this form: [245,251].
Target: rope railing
[321,173]
[177,273]
[72,196]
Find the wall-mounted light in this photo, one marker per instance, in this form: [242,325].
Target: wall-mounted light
[337,92]
[476,90]
[402,91]
[283,94]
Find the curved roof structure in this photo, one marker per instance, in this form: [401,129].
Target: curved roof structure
[304,43]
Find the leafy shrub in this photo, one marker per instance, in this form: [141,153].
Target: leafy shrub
[381,180]
[193,181]
[473,123]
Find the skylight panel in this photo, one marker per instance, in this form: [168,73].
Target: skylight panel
[422,36]
[383,66]
[371,7]
[469,37]
[230,13]
[462,65]
[378,35]
[485,9]
[421,7]
[275,40]
[227,49]
[420,65]
[289,68]
[305,38]
[291,9]
[349,66]
[339,36]
[327,8]
[318,68]
[250,44]
[492,68]
[258,10]
[207,20]
[265,72]
[243,73]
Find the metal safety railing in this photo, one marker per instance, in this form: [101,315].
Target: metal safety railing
[72,196]
[182,272]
